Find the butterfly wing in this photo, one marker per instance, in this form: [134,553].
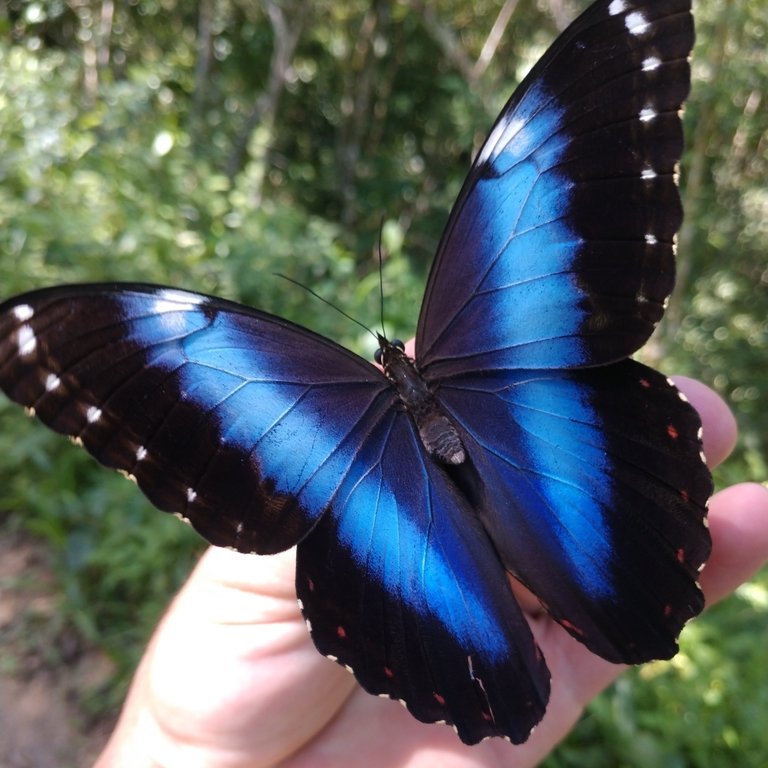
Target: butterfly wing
[414,598]
[234,419]
[592,488]
[559,251]
[263,435]
[556,264]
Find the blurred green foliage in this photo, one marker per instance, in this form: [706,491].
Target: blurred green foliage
[209,145]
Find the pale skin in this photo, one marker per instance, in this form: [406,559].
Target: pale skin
[231,678]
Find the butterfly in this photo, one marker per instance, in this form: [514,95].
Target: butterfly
[520,439]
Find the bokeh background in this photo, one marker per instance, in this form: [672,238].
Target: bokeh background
[211,144]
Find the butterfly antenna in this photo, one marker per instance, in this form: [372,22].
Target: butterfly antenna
[329,303]
[381,279]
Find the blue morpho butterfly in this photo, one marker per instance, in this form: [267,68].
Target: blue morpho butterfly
[520,440]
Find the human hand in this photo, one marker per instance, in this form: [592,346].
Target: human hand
[231,677]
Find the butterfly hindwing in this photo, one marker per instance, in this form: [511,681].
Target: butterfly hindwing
[220,413]
[593,489]
[559,249]
[401,583]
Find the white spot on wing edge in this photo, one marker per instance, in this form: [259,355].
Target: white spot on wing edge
[651,63]
[617,7]
[23,312]
[171,300]
[127,475]
[636,23]
[26,340]
[93,414]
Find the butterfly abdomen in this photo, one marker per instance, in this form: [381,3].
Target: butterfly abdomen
[440,437]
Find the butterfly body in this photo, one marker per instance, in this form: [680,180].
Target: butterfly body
[437,433]
[520,439]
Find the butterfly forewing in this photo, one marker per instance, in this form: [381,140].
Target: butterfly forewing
[560,245]
[220,413]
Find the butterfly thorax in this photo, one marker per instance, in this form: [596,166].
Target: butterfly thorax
[437,432]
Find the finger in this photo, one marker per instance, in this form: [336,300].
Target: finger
[718,423]
[738,519]
[235,628]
